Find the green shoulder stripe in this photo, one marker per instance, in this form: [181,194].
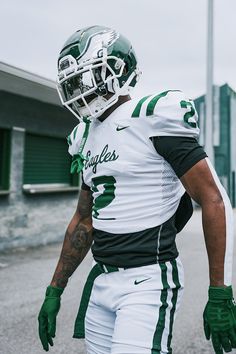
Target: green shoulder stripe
[69,140]
[75,131]
[153,102]
[137,109]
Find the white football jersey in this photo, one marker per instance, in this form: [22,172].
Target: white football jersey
[134,188]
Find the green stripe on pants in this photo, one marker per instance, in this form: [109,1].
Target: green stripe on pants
[156,346]
[175,276]
[79,327]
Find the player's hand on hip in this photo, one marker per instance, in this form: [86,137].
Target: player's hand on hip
[219,319]
[47,316]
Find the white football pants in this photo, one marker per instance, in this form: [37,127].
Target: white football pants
[132,311]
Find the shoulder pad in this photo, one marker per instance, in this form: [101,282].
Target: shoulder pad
[74,139]
[168,113]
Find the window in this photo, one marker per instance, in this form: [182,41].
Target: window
[4,159]
[47,165]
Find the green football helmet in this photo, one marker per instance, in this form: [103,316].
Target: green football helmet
[96,65]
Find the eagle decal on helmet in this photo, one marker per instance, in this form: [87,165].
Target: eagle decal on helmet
[97,41]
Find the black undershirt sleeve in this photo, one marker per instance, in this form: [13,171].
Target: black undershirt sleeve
[182,153]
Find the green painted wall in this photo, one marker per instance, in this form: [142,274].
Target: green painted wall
[223,152]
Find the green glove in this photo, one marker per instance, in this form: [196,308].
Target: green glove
[47,316]
[220,319]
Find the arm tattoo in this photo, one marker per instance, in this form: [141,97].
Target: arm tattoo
[77,242]
[85,204]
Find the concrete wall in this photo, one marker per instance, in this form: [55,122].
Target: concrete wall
[31,220]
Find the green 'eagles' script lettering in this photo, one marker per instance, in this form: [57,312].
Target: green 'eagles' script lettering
[105,156]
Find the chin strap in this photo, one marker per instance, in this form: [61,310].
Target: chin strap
[78,159]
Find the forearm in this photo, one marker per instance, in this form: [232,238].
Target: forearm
[77,241]
[220,236]
[203,185]
[214,226]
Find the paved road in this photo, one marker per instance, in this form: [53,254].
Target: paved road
[24,276]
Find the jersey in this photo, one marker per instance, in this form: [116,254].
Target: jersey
[133,187]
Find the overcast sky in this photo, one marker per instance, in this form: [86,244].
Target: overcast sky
[169,37]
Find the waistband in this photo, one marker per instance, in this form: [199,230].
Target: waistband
[105,268]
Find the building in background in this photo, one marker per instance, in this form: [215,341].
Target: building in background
[224,135]
[37,192]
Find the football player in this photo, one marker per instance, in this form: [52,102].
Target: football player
[140,163]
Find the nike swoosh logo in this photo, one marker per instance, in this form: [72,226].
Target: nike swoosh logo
[140,281]
[121,128]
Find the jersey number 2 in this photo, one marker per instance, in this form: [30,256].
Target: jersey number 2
[104,199]
[188,115]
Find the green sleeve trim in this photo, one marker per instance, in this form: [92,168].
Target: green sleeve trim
[75,131]
[153,102]
[78,159]
[69,140]
[137,109]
